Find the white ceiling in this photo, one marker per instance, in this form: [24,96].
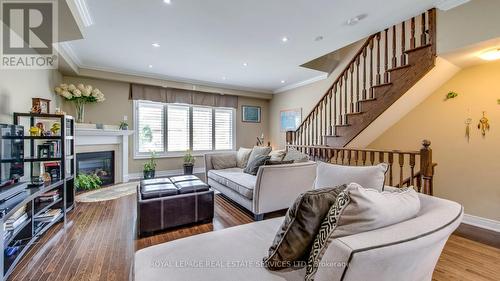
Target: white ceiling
[205,40]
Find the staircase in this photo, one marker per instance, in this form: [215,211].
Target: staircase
[387,65]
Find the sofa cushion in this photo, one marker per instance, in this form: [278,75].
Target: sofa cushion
[223,161]
[277,155]
[235,179]
[259,150]
[253,166]
[242,157]
[359,210]
[293,241]
[328,175]
[296,156]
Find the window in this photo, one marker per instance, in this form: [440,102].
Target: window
[171,129]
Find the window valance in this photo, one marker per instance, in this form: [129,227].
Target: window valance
[173,95]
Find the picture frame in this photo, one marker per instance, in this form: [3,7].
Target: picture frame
[290,119]
[40,105]
[251,114]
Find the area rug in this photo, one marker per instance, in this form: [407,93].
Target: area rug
[108,193]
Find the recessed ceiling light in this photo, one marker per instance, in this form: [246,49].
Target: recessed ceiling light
[167,2]
[245,64]
[318,38]
[223,77]
[156,45]
[490,55]
[150,66]
[283,81]
[284,39]
[356,19]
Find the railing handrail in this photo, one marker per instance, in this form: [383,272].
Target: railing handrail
[414,152]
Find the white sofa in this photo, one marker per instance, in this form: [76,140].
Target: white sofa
[273,188]
[405,251]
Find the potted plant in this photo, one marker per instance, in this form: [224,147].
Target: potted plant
[123,125]
[87,182]
[80,95]
[150,167]
[188,163]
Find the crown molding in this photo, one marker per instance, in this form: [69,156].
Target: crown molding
[301,83]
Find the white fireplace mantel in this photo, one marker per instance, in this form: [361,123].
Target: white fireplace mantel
[89,137]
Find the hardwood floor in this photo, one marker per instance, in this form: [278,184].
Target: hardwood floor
[99,243]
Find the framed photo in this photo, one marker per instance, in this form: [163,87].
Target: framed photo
[290,119]
[40,105]
[250,113]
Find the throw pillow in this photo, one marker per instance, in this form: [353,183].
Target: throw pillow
[296,156]
[367,176]
[270,162]
[303,219]
[242,157]
[277,155]
[253,166]
[358,210]
[223,161]
[259,150]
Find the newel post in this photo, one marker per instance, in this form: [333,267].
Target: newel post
[289,137]
[426,167]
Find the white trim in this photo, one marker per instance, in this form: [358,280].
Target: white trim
[301,83]
[83,10]
[445,5]
[166,173]
[482,222]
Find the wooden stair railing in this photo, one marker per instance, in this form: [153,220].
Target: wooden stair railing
[386,66]
[410,168]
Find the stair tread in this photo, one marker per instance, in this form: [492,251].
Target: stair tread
[399,67]
[382,85]
[343,125]
[332,136]
[418,48]
[355,113]
[365,100]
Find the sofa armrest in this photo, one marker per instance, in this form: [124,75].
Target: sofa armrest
[208,160]
[277,186]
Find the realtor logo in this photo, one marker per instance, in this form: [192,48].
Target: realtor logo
[29,28]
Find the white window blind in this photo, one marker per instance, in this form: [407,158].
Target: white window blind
[223,129]
[202,128]
[151,124]
[178,127]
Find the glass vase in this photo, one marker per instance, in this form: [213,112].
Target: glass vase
[80,111]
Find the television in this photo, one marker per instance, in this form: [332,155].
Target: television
[11,154]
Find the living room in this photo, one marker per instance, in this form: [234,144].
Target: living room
[151,155]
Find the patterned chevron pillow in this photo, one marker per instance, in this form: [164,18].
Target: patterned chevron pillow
[358,210]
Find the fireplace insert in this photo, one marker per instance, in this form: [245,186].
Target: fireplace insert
[101,164]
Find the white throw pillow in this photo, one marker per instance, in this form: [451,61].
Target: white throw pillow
[277,155]
[242,157]
[329,175]
[371,209]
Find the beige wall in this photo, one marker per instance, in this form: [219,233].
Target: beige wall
[305,97]
[467,172]
[117,105]
[17,87]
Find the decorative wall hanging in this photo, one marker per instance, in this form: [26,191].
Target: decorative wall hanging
[290,119]
[250,113]
[451,95]
[468,121]
[483,124]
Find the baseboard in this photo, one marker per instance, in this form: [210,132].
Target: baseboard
[482,222]
[165,173]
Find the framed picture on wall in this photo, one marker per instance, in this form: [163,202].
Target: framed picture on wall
[250,113]
[290,119]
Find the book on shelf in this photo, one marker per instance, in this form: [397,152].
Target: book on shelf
[48,216]
[12,224]
[49,196]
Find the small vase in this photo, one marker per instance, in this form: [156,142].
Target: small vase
[80,111]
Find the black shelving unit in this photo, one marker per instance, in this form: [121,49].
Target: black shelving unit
[31,229]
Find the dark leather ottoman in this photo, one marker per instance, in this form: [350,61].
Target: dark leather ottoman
[170,202]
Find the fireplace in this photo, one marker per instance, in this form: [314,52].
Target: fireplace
[101,164]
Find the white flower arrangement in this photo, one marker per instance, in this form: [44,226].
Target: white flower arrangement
[80,93]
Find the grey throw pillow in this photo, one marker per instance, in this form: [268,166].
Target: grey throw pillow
[242,157]
[270,162]
[296,156]
[223,161]
[259,150]
[294,239]
[253,166]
